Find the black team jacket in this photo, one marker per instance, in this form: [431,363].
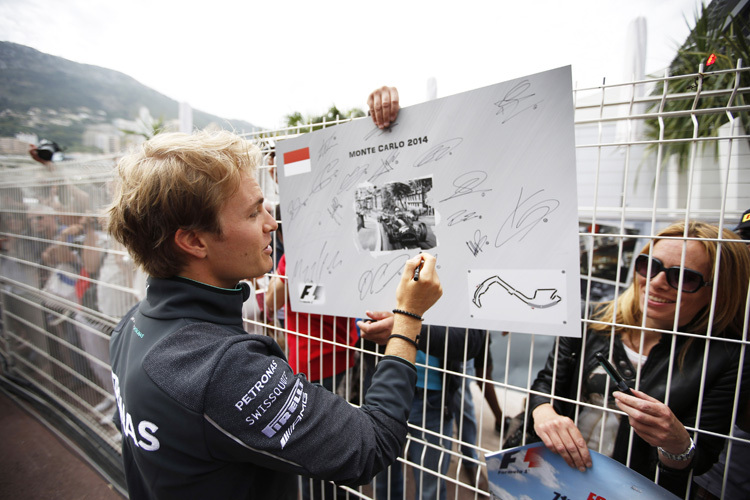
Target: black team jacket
[210,411]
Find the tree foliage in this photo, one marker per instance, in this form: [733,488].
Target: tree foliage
[312,123]
[147,128]
[713,34]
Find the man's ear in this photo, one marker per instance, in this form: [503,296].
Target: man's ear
[191,242]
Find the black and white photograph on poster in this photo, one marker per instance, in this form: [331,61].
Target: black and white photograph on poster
[395,216]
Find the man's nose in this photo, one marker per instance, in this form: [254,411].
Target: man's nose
[271,223]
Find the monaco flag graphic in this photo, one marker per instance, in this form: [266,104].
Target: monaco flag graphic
[297,162]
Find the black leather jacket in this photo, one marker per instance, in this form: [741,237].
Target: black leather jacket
[718,395]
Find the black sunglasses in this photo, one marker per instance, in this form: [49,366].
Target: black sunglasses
[692,281]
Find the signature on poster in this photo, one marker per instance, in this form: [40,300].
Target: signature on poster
[327,145]
[295,206]
[437,153]
[334,210]
[351,178]
[376,132]
[519,95]
[325,176]
[462,215]
[373,281]
[386,165]
[479,241]
[525,216]
[327,262]
[467,183]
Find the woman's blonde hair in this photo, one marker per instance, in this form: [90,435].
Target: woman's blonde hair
[731,285]
[175,181]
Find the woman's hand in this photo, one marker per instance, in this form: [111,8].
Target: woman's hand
[655,423]
[561,436]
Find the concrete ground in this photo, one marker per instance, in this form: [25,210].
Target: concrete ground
[35,463]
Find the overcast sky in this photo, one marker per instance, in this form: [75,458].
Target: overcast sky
[259,61]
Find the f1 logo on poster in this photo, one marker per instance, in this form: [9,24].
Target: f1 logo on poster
[530,459]
[307,292]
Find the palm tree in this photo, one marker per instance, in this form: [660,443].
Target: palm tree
[726,38]
[147,128]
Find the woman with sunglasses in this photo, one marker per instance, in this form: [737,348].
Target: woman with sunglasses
[654,333]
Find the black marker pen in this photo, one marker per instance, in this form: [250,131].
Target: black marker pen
[419,268]
[614,374]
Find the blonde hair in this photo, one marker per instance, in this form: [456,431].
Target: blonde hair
[175,181]
[731,286]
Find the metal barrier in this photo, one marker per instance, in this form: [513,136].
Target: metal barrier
[65,283]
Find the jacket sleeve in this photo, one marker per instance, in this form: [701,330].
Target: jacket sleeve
[450,343]
[564,375]
[258,411]
[716,410]
[715,415]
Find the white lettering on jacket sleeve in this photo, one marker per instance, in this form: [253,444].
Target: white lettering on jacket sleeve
[288,432]
[252,393]
[297,400]
[269,401]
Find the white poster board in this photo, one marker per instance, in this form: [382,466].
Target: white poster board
[484,180]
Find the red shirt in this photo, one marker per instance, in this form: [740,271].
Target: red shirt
[318,360]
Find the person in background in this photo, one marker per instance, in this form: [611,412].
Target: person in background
[743,228]
[466,421]
[268,177]
[322,362]
[663,299]
[465,416]
[441,352]
[105,276]
[64,197]
[483,364]
[21,311]
[61,259]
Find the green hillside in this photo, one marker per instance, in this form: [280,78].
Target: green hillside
[31,79]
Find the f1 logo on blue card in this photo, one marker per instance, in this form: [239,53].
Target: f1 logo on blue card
[531,459]
[308,292]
